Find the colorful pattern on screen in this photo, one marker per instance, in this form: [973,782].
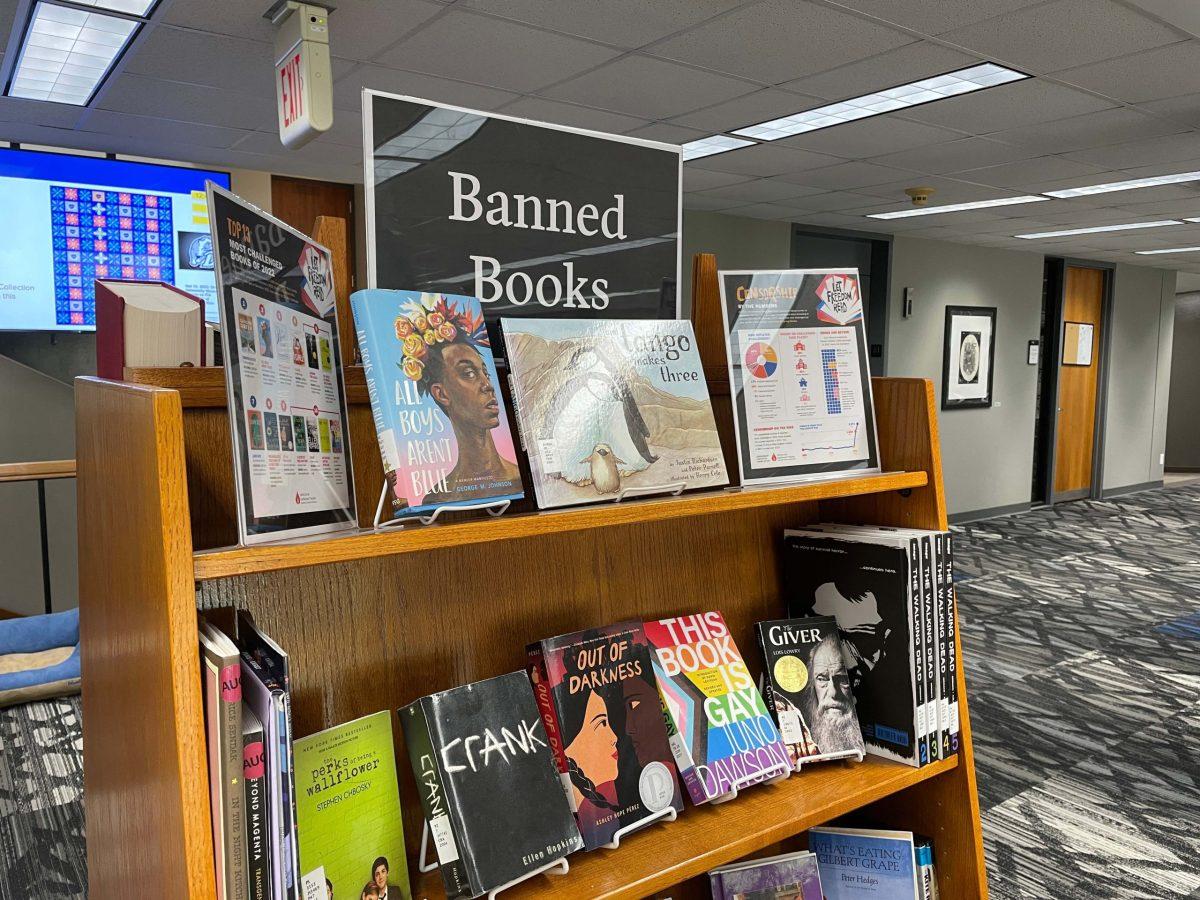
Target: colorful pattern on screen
[105,234]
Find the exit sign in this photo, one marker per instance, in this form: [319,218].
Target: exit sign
[303,79]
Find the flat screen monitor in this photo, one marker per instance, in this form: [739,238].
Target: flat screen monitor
[69,220]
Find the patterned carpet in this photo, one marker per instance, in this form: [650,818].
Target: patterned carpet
[1081,639]
[1081,633]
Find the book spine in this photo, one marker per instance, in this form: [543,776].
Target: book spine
[943,592]
[917,649]
[952,643]
[232,797]
[929,617]
[435,801]
[366,348]
[289,809]
[535,664]
[254,779]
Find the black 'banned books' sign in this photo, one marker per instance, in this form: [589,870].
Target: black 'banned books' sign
[535,220]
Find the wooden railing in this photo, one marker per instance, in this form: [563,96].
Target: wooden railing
[40,472]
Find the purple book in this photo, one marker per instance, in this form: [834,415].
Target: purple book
[793,876]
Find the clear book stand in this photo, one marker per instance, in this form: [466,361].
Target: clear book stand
[829,757]
[663,815]
[494,508]
[781,771]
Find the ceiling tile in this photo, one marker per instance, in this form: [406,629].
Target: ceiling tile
[182,133]
[702,179]
[625,86]
[766,211]
[934,16]
[495,52]
[1110,126]
[707,203]
[1027,102]
[859,140]
[541,110]
[1062,34]
[1185,110]
[347,91]
[1151,75]
[763,159]
[1163,150]
[953,156]
[849,176]
[35,112]
[946,190]
[1184,14]
[760,190]
[750,109]
[626,23]
[178,54]
[778,40]
[143,95]
[912,62]
[667,133]
[1028,172]
[837,201]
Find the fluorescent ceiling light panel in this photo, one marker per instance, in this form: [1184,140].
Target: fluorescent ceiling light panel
[1172,250]
[964,81]
[1156,181]
[67,52]
[957,207]
[133,7]
[1130,226]
[718,143]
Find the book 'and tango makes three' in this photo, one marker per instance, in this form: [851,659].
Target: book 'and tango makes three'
[487,782]
[726,738]
[807,684]
[444,434]
[600,705]
[610,406]
[348,812]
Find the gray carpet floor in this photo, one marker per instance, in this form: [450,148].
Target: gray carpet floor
[1081,643]
[1081,634]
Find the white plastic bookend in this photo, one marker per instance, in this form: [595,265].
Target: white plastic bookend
[558,867]
[665,815]
[422,864]
[782,771]
[494,508]
[674,489]
[856,755]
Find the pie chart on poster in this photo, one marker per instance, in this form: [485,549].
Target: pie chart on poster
[761,360]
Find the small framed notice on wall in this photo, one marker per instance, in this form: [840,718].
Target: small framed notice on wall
[1077,343]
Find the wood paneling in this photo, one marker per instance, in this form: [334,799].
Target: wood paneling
[145,766]
[1083,301]
[300,201]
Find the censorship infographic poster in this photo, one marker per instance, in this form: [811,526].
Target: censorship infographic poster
[283,372]
[796,343]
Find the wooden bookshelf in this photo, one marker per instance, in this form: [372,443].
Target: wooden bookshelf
[372,621]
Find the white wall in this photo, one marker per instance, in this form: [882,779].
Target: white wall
[737,241]
[987,454]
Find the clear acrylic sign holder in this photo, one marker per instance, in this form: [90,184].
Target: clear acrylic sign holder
[494,508]
[558,866]
[856,755]
[783,770]
[674,489]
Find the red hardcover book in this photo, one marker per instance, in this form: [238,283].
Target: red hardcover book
[146,323]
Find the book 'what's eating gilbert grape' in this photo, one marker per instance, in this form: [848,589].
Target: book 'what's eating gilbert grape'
[444,434]
[726,738]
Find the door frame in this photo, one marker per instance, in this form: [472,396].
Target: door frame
[1048,422]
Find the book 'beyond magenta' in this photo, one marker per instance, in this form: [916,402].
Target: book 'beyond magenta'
[601,708]
[726,737]
[608,407]
[443,431]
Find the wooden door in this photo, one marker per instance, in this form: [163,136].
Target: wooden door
[298,201]
[1083,304]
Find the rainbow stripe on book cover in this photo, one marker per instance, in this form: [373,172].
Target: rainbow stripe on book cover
[726,739]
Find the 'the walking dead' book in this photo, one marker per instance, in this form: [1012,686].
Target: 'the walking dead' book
[483,765]
[867,588]
[807,684]
[611,406]
[601,708]
[726,737]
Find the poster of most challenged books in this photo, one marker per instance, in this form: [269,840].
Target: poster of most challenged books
[796,343]
[287,402]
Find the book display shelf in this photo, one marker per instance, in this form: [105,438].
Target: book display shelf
[374,619]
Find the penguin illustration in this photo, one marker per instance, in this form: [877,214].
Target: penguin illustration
[606,479]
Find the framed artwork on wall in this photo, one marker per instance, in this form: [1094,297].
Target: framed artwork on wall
[967,356]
